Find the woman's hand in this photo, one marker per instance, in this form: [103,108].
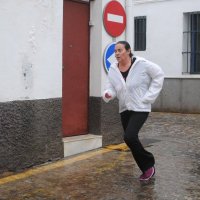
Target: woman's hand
[108,96]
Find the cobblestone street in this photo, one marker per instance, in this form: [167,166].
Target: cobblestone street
[111,174]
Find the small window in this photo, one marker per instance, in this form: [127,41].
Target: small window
[191,46]
[140,33]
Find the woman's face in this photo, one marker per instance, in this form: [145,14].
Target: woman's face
[121,53]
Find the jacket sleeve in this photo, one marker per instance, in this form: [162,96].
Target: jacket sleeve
[157,79]
[110,90]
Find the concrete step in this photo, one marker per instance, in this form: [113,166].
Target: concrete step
[82,143]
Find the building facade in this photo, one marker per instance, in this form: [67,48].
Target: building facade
[31,83]
[52,72]
[172,40]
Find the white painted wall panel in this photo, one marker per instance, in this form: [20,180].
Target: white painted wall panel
[95,47]
[31,49]
[165,32]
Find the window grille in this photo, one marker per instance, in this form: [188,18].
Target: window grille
[191,40]
[140,33]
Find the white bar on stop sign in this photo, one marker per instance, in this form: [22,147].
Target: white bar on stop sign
[115,18]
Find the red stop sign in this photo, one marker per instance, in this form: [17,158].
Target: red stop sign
[114,18]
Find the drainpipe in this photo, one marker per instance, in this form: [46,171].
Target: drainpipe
[129,22]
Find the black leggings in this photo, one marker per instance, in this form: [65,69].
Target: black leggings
[132,123]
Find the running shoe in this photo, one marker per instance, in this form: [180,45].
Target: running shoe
[147,174]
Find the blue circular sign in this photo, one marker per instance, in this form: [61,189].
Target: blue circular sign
[109,56]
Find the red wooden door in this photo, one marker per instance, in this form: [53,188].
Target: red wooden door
[75,68]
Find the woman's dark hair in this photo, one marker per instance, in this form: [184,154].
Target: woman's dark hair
[127,46]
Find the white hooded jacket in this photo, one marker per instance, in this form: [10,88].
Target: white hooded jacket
[143,85]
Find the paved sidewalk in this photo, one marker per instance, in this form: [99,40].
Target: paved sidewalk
[111,174]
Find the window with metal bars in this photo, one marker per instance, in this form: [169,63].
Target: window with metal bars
[140,33]
[191,43]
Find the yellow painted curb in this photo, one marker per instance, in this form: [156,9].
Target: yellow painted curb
[119,147]
[51,166]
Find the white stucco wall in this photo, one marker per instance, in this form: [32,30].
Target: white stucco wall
[95,48]
[165,32]
[31,44]
[31,49]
